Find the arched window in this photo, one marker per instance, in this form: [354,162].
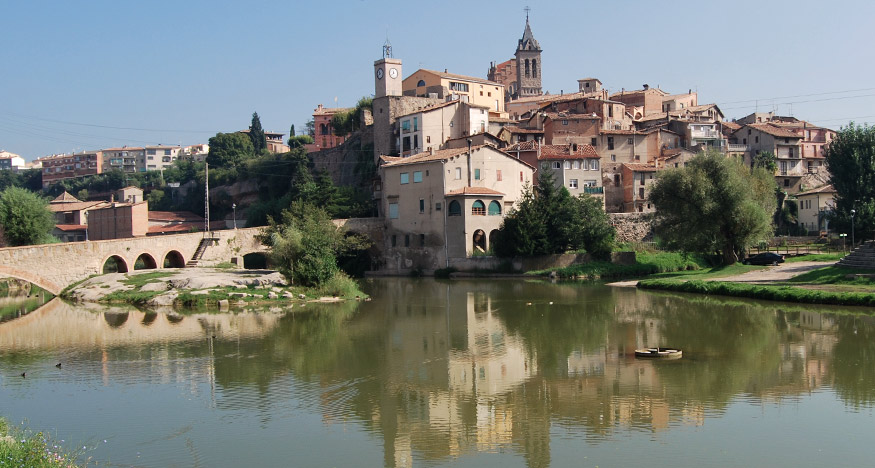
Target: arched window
[534,68]
[478,208]
[527,68]
[455,209]
[494,208]
[420,83]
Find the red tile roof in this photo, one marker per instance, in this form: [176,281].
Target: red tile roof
[774,130]
[639,167]
[437,155]
[75,206]
[475,191]
[178,216]
[71,227]
[564,152]
[825,189]
[453,76]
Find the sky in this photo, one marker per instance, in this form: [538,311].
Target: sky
[78,76]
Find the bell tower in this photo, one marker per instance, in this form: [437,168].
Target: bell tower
[387,74]
[528,63]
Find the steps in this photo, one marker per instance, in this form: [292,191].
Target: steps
[199,253]
[861,257]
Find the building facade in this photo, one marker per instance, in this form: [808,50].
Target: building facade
[69,166]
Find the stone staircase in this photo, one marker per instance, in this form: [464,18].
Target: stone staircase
[199,253]
[861,257]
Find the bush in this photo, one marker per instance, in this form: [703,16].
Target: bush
[646,264]
[340,285]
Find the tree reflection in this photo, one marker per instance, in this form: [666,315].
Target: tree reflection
[854,361]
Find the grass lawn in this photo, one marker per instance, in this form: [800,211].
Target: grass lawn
[721,271]
[140,279]
[827,257]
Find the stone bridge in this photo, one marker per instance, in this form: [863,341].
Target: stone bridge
[56,266]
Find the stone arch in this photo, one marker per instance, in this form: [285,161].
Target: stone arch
[479,241]
[493,238]
[256,261]
[173,259]
[32,278]
[115,264]
[145,262]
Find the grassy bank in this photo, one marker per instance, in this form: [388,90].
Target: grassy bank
[647,263]
[22,448]
[772,293]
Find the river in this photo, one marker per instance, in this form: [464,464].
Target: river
[462,373]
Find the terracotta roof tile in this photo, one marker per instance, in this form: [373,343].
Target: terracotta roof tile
[178,216]
[564,152]
[824,189]
[453,76]
[640,167]
[438,155]
[75,206]
[474,191]
[774,130]
[71,227]
[65,198]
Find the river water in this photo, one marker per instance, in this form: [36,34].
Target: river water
[461,373]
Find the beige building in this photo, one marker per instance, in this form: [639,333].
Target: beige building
[11,161]
[432,126]
[783,143]
[127,159]
[446,204]
[160,157]
[637,180]
[813,205]
[443,85]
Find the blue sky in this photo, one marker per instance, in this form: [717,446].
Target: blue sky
[95,74]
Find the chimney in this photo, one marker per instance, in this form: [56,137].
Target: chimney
[646,86]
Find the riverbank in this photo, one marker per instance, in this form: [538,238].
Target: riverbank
[19,447]
[195,287]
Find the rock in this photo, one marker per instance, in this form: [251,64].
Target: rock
[163,299]
[181,283]
[224,304]
[288,295]
[199,293]
[301,296]
[241,295]
[272,295]
[241,286]
[158,286]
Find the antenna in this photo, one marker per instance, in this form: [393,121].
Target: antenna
[387,47]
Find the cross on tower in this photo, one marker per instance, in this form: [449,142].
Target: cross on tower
[527,10]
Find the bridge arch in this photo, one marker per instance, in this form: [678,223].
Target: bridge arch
[145,261]
[114,264]
[31,277]
[256,261]
[173,259]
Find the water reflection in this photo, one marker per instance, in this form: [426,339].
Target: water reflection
[439,371]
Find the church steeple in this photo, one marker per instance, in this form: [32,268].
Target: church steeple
[528,63]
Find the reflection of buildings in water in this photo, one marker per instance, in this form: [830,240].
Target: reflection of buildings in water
[60,325]
[807,355]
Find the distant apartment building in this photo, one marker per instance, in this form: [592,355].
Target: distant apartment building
[160,157]
[126,159]
[274,141]
[323,131]
[450,86]
[69,166]
[195,152]
[11,161]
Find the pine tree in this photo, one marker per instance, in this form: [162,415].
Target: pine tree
[256,134]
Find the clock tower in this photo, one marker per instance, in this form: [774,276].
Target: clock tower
[387,74]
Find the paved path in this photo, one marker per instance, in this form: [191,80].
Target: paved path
[772,274]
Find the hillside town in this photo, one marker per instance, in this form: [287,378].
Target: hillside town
[453,152]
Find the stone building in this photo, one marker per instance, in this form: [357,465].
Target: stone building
[521,76]
[323,131]
[442,205]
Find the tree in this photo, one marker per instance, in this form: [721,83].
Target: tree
[25,217]
[230,150]
[591,227]
[850,159]
[292,131]
[299,141]
[766,160]
[305,245]
[256,134]
[714,204]
[523,231]
[310,127]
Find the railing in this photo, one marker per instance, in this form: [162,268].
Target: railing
[593,190]
[796,249]
[737,148]
[705,134]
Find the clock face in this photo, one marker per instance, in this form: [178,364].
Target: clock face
[379,73]
[393,73]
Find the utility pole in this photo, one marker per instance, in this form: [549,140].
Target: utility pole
[207,200]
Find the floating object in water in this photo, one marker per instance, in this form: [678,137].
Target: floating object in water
[24,374]
[659,353]
[58,365]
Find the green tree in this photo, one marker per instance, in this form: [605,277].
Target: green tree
[305,245]
[230,150]
[299,141]
[766,160]
[25,217]
[292,131]
[523,231]
[714,204]
[850,158]
[256,134]
[82,194]
[591,227]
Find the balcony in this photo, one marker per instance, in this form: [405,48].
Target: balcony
[593,190]
[737,148]
[705,134]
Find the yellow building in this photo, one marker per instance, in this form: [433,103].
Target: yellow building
[443,85]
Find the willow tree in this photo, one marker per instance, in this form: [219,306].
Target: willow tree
[714,205]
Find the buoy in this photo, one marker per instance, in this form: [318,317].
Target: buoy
[659,353]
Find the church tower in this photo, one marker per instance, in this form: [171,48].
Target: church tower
[528,64]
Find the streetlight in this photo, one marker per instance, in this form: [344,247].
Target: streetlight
[234,207]
[853,212]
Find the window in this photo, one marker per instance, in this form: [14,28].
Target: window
[744,141]
[594,142]
[610,143]
[630,141]
[494,208]
[422,205]
[417,177]
[613,158]
[572,183]
[420,83]
[150,151]
[406,240]
[481,93]
[455,209]
[415,142]
[593,164]
[756,139]
[437,206]
[589,183]
[458,173]
[416,124]
[405,144]
[428,138]
[393,210]
[577,165]
[394,240]
[564,122]
[521,176]
[616,180]
[405,126]
[567,164]
[610,111]
[786,182]
[463,87]
[405,178]
[557,165]
[422,240]
[166,152]
[478,208]
[534,68]
[498,175]
[641,192]
[476,174]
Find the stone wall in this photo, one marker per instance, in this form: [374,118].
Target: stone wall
[351,163]
[632,227]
